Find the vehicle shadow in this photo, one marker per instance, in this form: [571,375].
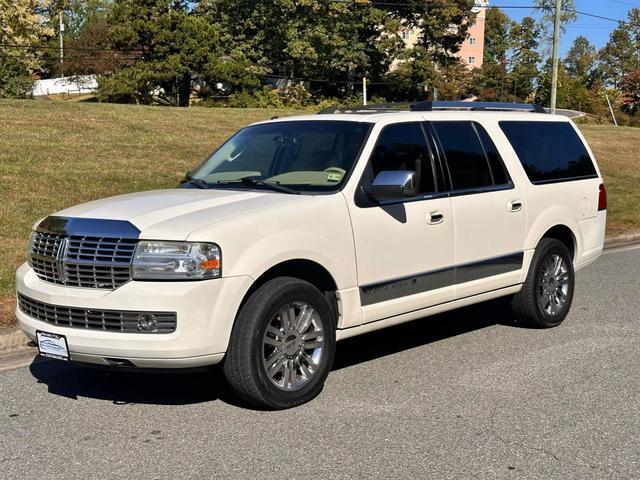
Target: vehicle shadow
[184,388]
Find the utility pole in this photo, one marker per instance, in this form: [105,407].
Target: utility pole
[61,31]
[364,90]
[556,55]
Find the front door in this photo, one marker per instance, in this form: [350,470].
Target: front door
[404,248]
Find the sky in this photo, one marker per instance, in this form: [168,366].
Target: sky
[596,30]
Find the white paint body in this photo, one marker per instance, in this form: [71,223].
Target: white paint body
[257,230]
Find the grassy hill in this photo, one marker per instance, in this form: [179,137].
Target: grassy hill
[56,154]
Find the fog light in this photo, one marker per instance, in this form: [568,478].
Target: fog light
[147,322]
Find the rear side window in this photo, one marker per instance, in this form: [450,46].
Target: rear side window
[468,165]
[549,151]
[498,170]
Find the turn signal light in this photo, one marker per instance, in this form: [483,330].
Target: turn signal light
[602,198]
[212,263]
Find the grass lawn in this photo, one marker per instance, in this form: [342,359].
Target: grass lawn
[56,154]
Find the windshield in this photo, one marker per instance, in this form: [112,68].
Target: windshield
[306,155]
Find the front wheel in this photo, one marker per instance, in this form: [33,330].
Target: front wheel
[546,296]
[282,345]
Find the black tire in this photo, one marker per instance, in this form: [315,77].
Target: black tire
[528,303]
[244,361]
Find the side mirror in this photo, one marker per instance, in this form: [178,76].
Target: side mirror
[392,185]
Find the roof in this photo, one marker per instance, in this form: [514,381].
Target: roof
[427,110]
[375,117]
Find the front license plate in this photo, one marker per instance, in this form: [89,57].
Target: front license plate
[52,345]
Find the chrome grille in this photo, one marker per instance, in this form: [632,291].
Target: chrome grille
[100,249]
[47,270]
[46,244]
[94,319]
[82,261]
[96,276]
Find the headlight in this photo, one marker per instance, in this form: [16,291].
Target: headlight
[159,260]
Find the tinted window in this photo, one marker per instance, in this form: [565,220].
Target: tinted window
[402,146]
[549,151]
[465,156]
[498,170]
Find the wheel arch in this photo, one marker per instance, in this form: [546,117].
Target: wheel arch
[565,235]
[303,269]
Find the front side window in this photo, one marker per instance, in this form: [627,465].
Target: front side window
[304,155]
[549,151]
[465,156]
[402,146]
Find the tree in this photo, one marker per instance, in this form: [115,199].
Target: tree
[524,57]
[22,30]
[443,25]
[581,58]
[172,45]
[308,39]
[491,82]
[631,92]
[621,54]
[496,36]
[548,10]
[571,94]
[414,78]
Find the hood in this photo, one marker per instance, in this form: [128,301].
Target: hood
[174,214]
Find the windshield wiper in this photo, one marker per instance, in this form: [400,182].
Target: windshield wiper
[194,181]
[252,181]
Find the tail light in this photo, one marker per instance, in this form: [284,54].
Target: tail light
[602,198]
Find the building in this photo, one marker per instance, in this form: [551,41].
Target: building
[472,49]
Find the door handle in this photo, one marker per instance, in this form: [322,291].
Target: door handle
[515,205]
[435,218]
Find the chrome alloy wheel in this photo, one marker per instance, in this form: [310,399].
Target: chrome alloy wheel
[293,346]
[554,284]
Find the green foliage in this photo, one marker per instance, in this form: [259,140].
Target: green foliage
[631,92]
[620,55]
[581,59]
[14,77]
[525,57]
[434,19]
[294,96]
[497,27]
[415,77]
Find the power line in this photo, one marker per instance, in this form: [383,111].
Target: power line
[621,2]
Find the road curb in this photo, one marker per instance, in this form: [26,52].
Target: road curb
[14,349]
[623,240]
[12,339]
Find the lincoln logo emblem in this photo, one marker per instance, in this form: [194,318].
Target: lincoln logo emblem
[62,253]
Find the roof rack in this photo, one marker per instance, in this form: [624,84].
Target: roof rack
[476,106]
[428,106]
[371,108]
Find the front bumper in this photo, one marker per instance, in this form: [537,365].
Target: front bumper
[205,314]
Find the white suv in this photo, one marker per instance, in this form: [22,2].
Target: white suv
[301,231]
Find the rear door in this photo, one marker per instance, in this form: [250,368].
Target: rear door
[488,209]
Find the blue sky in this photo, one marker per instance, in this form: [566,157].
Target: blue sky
[596,30]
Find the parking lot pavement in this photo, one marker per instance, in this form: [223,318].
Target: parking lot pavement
[462,395]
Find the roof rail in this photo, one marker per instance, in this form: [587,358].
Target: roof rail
[427,106]
[371,108]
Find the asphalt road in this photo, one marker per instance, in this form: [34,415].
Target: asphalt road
[463,395]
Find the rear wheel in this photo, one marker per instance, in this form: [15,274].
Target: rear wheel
[546,296]
[282,345]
